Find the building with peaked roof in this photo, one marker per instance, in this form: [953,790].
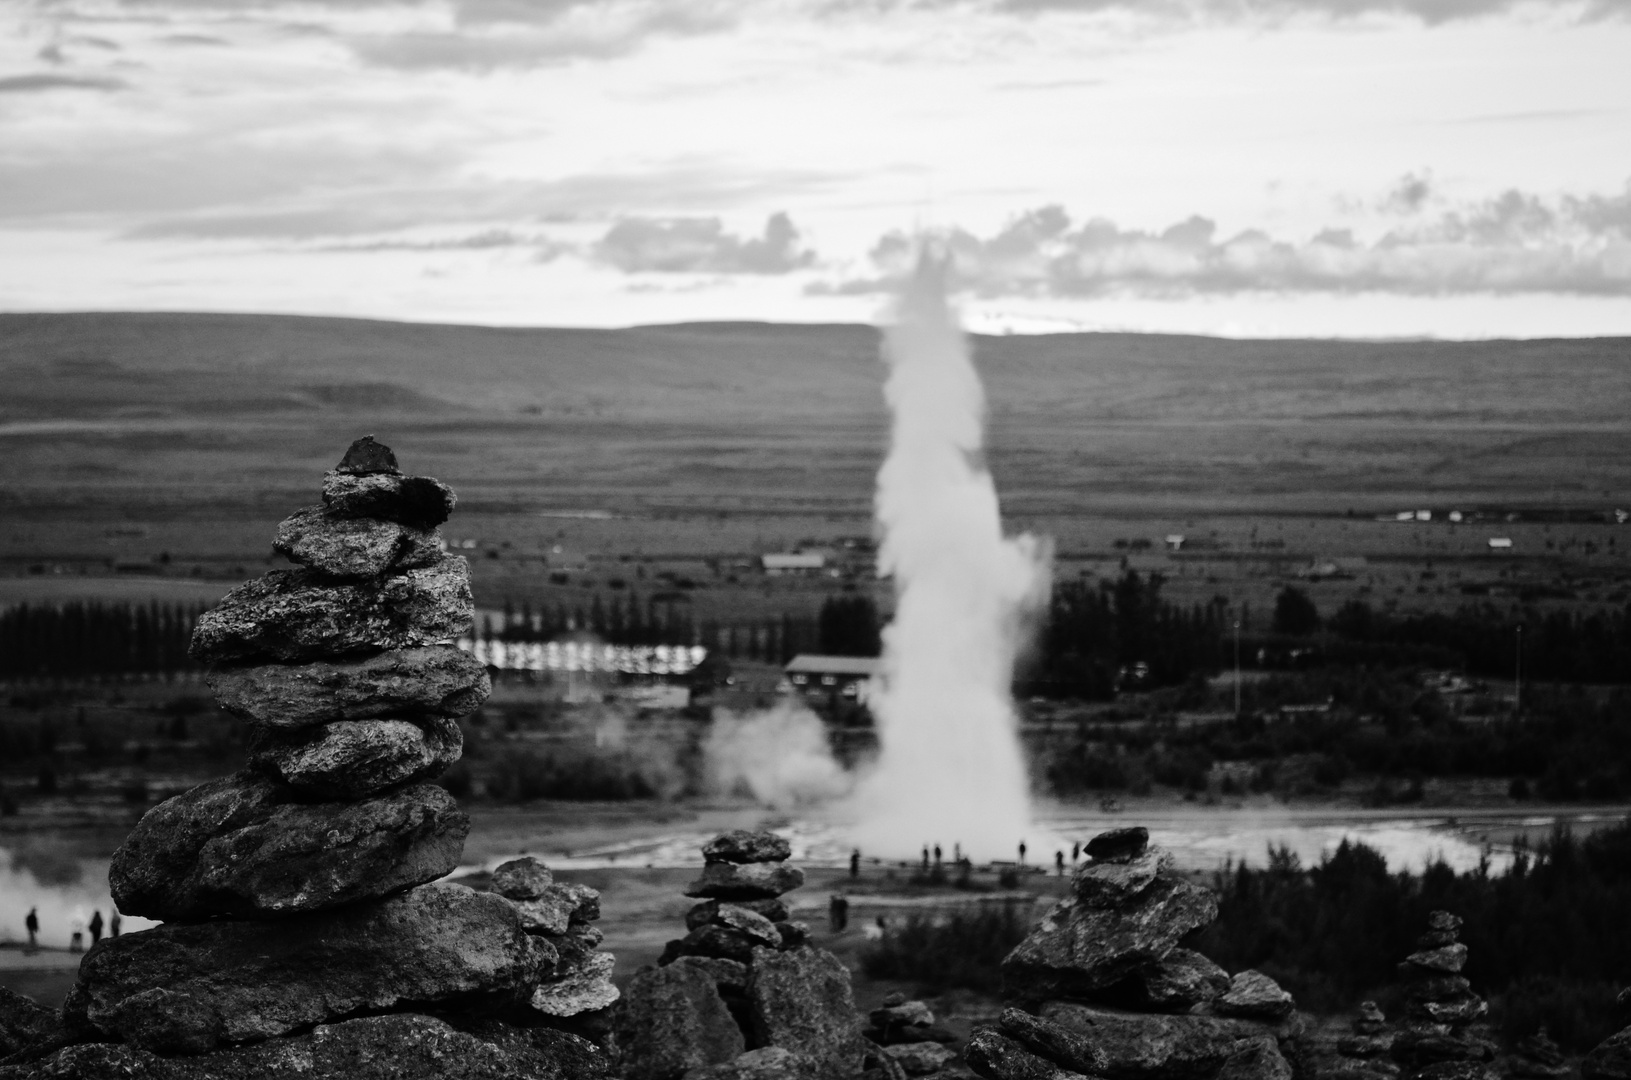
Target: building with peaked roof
[815,675]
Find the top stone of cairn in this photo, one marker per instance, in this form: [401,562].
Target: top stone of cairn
[365,456]
[742,846]
[1119,845]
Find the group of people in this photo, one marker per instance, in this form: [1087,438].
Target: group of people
[79,924]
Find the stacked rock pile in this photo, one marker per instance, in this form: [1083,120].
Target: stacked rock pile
[907,1033]
[743,994]
[1435,1042]
[302,893]
[1537,1057]
[1104,990]
[1611,1060]
[1361,1055]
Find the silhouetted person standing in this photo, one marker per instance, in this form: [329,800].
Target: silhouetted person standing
[32,923]
[96,926]
[1059,862]
[1022,853]
[855,863]
[937,855]
[1075,851]
[113,924]
[925,856]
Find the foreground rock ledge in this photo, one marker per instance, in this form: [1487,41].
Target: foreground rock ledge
[190,989]
[240,846]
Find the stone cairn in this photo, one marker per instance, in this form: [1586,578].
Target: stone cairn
[1537,1057]
[1102,989]
[1435,1043]
[743,996]
[1611,1060]
[304,929]
[907,1033]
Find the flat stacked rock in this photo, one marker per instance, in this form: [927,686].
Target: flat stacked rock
[1105,991]
[908,1034]
[743,994]
[304,891]
[1440,1007]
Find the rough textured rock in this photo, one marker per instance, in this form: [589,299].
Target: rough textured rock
[801,1000]
[552,910]
[1255,1059]
[920,1058]
[998,1058]
[1433,1043]
[1455,1070]
[418,501]
[1115,884]
[1455,1009]
[1053,1041]
[1611,1060]
[1253,994]
[1450,959]
[749,924]
[793,934]
[1155,1046]
[366,456]
[1178,980]
[584,989]
[1077,950]
[26,1025]
[522,879]
[351,548]
[296,615]
[1126,843]
[742,846]
[1365,1046]
[765,1063]
[904,1014]
[703,913]
[238,846]
[1371,1019]
[353,759]
[1537,1057]
[188,989]
[745,881]
[672,1019]
[405,1046]
[428,681]
[717,941]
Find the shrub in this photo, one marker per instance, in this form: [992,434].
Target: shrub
[964,950]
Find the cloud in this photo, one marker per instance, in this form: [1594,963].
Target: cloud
[33,84]
[701,245]
[1513,243]
[545,249]
[1432,12]
[194,39]
[1409,195]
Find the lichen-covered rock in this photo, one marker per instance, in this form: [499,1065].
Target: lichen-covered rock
[801,1000]
[1256,1059]
[1611,1060]
[745,881]
[342,547]
[522,879]
[1153,1046]
[921,1058]
[765,1063]
[353,759]
[418,501]
[1053,1042]
[1077,950]
[402,1046]
[672,1019]
[1117,883]
[189,989]
[240,846]
[1254,994]
[436,680]
[743,846]
[297,615]
[1128,843]
[1178,980]
[996,1057]
[585,988]
[703,914]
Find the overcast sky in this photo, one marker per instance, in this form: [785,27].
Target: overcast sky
[1459,168]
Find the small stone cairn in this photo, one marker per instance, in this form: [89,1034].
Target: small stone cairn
[1435,1042]
[1537,1057]
[1611,1059]
[1102,988]
[304,929]
[907,1033]
[744,995]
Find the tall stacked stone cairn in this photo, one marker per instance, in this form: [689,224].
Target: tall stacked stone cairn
[304,930]
[1436,1041]
[1103,989]
[744,995]
[1611,1059]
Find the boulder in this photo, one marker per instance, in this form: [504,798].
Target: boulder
[351,548]
[703,914]
[727,974]
[189,989]
[297,615]
[586,988]
[672,1019]
[1077,950]
[26,1026]
[522,879]
[239,846]
[402,1046]
[995,1057]
[1611,1060]
[1255,1059]
[921,1058]
[765,1063]
[418,501]
[1153,1046]
[1449,959]
[353,759]
[745,881]
[366,456]
[1128,843]
[1117,883]
[557,907]
[437,680]
[1053,1042]
[1254,994]
[800,999]
[1176,981]
[742,846]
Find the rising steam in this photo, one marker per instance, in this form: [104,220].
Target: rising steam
[950,769]
[777,756]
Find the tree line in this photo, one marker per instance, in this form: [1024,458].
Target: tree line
[87,638]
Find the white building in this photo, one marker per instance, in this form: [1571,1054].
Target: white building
[814,675]
[794,562]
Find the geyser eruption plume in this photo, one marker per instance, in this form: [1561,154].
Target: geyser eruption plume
[950,769]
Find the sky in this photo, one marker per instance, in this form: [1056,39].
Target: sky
[1352,168]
